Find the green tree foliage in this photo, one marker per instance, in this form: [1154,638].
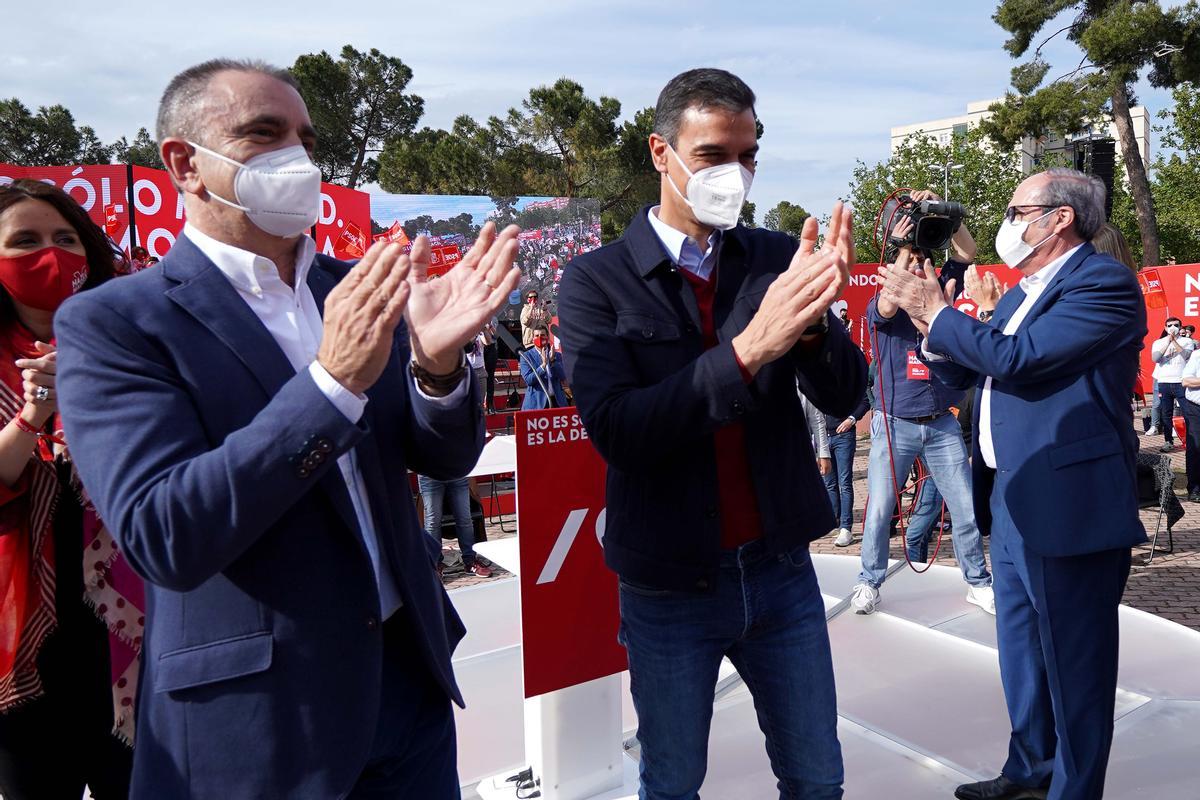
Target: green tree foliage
[1177,177]
[48,138]
[558,143]
[786,217]
[984,184]
[747,215]
[357,103]
[1119,39]
[143,152]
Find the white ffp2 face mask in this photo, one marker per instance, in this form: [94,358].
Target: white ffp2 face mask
[1010,240]
[715,194]
[279,191]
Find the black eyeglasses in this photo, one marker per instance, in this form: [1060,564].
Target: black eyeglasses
[1011,212]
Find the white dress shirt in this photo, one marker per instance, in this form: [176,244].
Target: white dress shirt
[683,249]
[292,318]
[1192,370]
[1169,368]
[1033,286]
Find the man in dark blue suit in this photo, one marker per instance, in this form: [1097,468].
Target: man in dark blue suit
[243,419]
[1053,473]
[684,344]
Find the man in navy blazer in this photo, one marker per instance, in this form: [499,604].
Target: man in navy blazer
[684,343]
[243,419]
[1053,468]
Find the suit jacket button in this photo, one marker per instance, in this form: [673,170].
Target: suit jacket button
[325,446]
[737,406]
[372,623]
[648,332]
[702,583]
[303,472]
[317,456]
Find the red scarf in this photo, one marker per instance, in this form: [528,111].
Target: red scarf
[27,558]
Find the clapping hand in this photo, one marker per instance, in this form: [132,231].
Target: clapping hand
[445,312]
[38,381]
[917,291]
[800,296]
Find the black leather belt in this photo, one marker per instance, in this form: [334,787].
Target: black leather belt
[927,418]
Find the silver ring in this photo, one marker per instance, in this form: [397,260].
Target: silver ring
[41,393]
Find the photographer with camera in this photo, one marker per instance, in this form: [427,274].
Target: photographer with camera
[912,406]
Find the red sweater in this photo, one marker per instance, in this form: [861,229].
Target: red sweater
[740,520]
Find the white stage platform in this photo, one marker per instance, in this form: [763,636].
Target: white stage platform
[919,698]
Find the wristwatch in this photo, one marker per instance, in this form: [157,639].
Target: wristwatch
[986,316]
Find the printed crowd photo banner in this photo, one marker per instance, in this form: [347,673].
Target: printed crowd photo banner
[553,231]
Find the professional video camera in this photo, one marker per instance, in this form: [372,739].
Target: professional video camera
[934,222]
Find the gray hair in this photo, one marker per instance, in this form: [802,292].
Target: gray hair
[698,88]
[182,104]
[1083,193]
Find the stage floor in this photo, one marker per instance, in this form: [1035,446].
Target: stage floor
[919,698]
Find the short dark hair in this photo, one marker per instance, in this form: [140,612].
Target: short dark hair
[95,246]
[178,110]
[701,89]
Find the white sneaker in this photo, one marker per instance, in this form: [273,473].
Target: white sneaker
[984,597]
[844,537]
[864,599]
[1152,432]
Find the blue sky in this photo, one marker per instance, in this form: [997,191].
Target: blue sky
[832,78]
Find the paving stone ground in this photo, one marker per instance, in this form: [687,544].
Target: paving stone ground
[1168,587]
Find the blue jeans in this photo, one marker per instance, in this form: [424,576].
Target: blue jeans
[920,524]
[940,445]
[1154,420]
[765,613]
[1169,395]
[432,492]
[840,480]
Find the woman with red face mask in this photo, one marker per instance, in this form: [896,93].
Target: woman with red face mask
[70,618]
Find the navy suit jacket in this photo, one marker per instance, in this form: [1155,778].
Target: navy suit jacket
[1061,428]
[651,396]
[213,463]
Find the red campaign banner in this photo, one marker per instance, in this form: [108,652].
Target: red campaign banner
[351,244]
[442,258]
[340,209]
[533,235]
[1152,289]
[94,186]
[158,210]
[394,234]
[569,609]
[111,222]
[864,284]
[1173,292]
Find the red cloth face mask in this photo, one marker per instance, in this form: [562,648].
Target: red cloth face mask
[44,278]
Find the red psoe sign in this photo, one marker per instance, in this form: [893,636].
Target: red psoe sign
[569,609]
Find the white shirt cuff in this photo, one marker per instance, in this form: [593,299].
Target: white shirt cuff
[350,404]
[925,351]
[454,397]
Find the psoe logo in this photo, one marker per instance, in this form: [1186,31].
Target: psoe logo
[864,280]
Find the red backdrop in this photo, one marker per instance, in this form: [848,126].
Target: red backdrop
[344,223]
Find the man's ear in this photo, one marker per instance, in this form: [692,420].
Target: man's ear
[658,152]
[178,158]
